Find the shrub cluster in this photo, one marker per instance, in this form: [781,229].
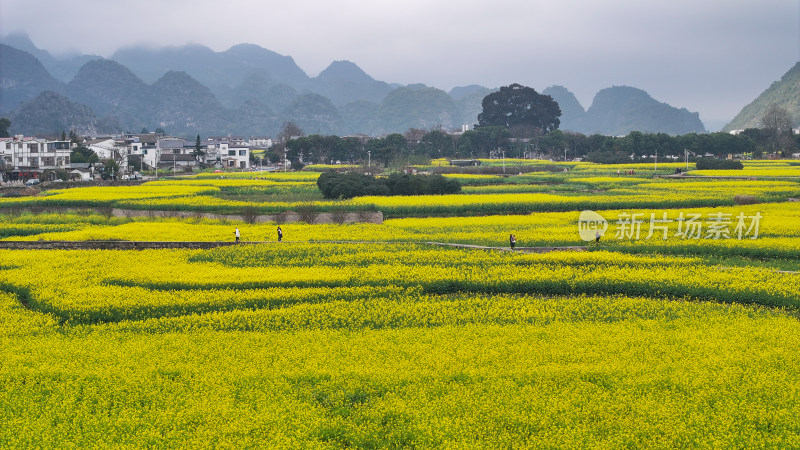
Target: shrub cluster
[718,164]
[349,185]
[404,184]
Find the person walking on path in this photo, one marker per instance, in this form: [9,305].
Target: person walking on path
[237,235]
[513,241]
[280,234]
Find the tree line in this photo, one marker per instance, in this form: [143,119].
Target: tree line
[419,146]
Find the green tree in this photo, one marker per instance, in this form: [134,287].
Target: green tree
[478,143]
[109,170]
[577,143]
[492,138]
[320,148]
[634,144]
[600,143]
[437,144]
[521,108]
[349,149]
[4,124]
[275,154]
[198,151]
[466,145]
[83,154]
[296,147]
[62,174]
[387,149]
[555,143]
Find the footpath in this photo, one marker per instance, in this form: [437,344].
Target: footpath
[145,245]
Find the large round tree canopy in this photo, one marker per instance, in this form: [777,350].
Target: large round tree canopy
[520,108]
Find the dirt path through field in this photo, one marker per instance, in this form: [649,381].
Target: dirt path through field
[143,245]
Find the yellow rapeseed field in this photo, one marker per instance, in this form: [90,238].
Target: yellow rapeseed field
[676,329]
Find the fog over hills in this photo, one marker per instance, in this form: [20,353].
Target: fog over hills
[249,90]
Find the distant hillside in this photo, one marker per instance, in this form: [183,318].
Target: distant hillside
[344,82]
[461,92]
[251,57]
[252,115]
[469,101]
[109,88]
[185,105]
[249,90]
[50,113]
[618,110]
[784,93]
[315,114]
[217,70]
[359,117]
[63,69]
[23,78]
[572,112]
[417,106]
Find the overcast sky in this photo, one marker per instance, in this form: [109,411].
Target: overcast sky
[708,56]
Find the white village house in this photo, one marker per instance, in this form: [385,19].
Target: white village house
[227,153]
[179,154]
[23,158]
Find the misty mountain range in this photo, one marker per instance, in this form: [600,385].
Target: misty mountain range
[248,90]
